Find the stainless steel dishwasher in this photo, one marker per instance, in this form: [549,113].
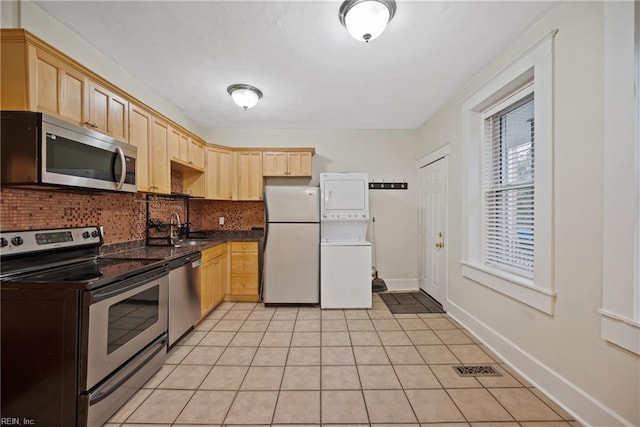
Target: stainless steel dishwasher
[184,295]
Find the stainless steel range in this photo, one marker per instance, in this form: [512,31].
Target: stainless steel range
[80,334]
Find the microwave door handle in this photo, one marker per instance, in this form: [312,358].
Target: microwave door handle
[123,172]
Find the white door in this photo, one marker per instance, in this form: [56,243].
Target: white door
[433,221]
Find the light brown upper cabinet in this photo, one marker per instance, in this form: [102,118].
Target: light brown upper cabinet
[60,89]
[159,166]
[35,80]
[195,154]
[287,163]
[140,125]
[108,112]
[218,173]
[247,166]
[178,145]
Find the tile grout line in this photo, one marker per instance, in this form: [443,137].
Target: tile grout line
[321,346]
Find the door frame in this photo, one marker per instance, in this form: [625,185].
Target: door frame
[441,153]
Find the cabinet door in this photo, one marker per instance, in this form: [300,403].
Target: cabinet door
[160,172]
[219,279]
[195,154]
[299,164]
[98,107]
[206,287]
[107,112]
[60,89]
[140,122]
[274,163]
[248,173]
[225,177]
[118,117]
[218,174]
[211,170]
[174,144]
[48,79]
[72,90]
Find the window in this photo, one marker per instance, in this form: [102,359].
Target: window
[508,183]
[509,187]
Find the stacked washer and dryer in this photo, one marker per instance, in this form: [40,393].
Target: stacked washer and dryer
[345,253]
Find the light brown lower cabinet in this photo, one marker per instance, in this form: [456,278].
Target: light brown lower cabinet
[244,272]
[214,278]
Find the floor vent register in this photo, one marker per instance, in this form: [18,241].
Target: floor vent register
[476,371]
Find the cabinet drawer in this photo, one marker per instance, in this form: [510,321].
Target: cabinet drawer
[244,247]
[244,284]
[214,252]
[244,263]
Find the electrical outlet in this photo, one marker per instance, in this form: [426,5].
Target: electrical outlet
[221,220]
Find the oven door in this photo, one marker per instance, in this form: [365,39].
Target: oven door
[124,318]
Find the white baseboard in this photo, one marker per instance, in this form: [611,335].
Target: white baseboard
[585,408]
[401,284]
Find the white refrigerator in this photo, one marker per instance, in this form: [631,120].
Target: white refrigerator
[292,245]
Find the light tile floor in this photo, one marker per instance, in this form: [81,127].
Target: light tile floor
[247,364]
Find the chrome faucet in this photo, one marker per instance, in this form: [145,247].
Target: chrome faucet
[172,233]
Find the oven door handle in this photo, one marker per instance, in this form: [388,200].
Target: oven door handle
[127,285]
[123,172]
[122,377]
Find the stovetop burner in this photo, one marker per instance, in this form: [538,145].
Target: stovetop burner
[93,272]
[66,257]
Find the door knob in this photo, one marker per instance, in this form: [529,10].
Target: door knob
[439,245]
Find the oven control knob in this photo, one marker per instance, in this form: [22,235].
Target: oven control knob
[94,233]
[3,242]
[17,241]
[85,234]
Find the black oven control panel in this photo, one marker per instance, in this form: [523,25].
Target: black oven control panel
[28,241]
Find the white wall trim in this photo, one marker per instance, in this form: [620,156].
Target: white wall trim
[620,312]
[585,408]
[620,330]
[439,153]
[512,286]
[401,284]
[535,65]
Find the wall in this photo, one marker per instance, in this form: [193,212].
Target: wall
[563,353]
[386,155]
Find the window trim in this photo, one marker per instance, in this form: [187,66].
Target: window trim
[620,311]
[534,66]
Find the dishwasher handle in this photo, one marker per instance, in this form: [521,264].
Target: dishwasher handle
[179,262]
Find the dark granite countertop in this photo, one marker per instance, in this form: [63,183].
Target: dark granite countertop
[205,239]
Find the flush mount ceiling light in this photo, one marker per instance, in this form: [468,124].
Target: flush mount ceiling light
[366,19]
[245,96]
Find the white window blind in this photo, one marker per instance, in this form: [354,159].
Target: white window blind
[509,192]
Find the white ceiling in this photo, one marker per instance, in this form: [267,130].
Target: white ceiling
[312,73]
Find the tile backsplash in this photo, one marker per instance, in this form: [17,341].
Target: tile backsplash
[122,215]
[205,215]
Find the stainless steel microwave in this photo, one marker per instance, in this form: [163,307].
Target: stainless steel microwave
[39,150]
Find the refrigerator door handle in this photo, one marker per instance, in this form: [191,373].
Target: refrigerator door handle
[266,222]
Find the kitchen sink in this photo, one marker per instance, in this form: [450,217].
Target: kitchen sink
[186,243]
[176,244]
